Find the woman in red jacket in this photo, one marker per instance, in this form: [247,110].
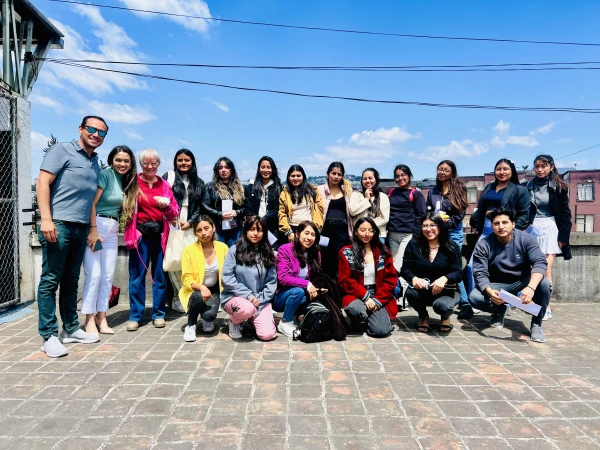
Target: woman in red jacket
[368,278]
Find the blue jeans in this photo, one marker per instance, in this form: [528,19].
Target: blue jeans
[288,301]
[229,237]
[487,230]
[61,265]
[150,252]
[541,297]
[458,236]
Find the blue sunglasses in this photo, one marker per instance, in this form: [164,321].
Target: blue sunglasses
[92,130]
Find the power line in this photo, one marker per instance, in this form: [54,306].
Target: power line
[439,68]
[336,30]
[580,151]
[334,97]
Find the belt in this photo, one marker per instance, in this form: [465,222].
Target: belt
[108,217]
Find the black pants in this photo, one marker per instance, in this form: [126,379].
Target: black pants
[198,306]
[443,303]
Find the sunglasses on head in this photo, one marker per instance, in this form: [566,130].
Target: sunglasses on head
[92,130]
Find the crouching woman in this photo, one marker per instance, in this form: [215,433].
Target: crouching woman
[250,281]
[433,267]
[368,278]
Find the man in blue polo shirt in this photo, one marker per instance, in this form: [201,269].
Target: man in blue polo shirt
[65,189]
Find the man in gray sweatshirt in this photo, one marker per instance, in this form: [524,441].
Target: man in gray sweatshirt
[509,259]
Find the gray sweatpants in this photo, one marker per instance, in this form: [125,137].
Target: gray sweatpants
[377,323]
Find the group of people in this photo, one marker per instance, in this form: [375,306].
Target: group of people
[255,249]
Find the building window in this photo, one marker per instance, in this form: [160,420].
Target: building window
[466,221]
[585,192]
[472,194]
[584,223]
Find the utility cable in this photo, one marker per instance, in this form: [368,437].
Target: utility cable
[355,99]
[580,151]
[336,30]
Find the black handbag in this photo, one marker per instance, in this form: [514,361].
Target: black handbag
[317,325]
[150,228]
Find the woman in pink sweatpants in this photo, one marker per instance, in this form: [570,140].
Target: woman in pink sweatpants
[249,281]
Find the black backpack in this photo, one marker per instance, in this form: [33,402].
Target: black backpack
[317,325]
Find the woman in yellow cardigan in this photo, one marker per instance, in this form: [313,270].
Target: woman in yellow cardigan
[299,201]
[202,268]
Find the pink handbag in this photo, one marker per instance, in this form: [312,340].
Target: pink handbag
[132,235]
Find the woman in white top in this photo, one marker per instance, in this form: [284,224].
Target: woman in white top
[370,201]
[187,190]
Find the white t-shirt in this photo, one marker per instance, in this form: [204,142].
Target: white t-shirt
[211,274]
[369,274]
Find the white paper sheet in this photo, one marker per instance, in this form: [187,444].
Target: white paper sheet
[226,206]
[272,238]
[530,308]
[324,241]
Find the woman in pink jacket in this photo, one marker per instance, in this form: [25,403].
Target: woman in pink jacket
[296,262]
[155,208]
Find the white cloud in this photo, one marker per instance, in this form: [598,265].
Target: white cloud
[221,106]
[48,102]
[113,44]
[573,163]
[133,135]
[115,112]
[382,137]
[523,141]
[545,129]
[182,7]
[38,142]
[466,148]
[502,127]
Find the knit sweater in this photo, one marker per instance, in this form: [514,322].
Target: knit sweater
[405,216]
[360,207]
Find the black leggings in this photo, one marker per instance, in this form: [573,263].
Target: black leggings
[198,306]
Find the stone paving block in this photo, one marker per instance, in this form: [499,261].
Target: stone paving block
[299,407]
[308,425]
[141,426]
[311,442]
[80,443]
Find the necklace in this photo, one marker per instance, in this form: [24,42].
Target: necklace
[433,248]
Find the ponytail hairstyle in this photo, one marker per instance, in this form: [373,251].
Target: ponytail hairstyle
[514,176]
[303,192]
[234,189]
[312,258]
[257,188]
[194,190]
[246,253]
[129,180]
[457,189]
[375,209]
[204,218]
[447,245]
[358,247]
[554,175]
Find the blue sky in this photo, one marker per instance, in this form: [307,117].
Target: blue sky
[244,126]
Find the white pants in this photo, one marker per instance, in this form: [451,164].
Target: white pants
[99,268]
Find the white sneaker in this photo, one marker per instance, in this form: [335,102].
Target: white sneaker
[177,306]
[286,328]
[548,314]
[53,348]
[235,331]
[189,335]
[208,327]
[476,311]
[78,337]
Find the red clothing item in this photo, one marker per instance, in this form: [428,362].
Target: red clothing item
[352,281]
[148,210]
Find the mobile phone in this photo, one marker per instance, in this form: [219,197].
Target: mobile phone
[97,246]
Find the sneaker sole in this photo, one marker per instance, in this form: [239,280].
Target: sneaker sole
[235,336]
[80,341]
[189,339]
[57,355]
[538,340]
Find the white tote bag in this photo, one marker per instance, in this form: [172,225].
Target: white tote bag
[175,246]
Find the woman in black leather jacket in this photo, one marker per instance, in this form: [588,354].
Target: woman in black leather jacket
[225,185]
[262,197]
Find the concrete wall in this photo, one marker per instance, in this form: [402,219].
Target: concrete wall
[577,280]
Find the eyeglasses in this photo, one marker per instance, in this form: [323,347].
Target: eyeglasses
[444,171]
[93,130]
[425,227]
[150,164]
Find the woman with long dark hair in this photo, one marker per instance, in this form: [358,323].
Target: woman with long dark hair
[187,190]
[297,261]
[407,207]
[299,201]
[337,226]
[262,197]
[550,214]
[433,267]
[117,190]
[202,268]
[449,199]
[370,201]
[225,185]
[505,191]
[250,281]
[368,278]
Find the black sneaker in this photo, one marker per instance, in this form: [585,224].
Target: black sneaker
[466,312]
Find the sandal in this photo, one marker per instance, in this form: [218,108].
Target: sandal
[446,328]
[423,328]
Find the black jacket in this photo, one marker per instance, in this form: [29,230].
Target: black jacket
[194,203]
[433,196]
[211,205]
[516,197]
[559,207]
[252,205]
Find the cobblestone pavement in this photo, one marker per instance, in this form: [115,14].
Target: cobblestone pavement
[474,388]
